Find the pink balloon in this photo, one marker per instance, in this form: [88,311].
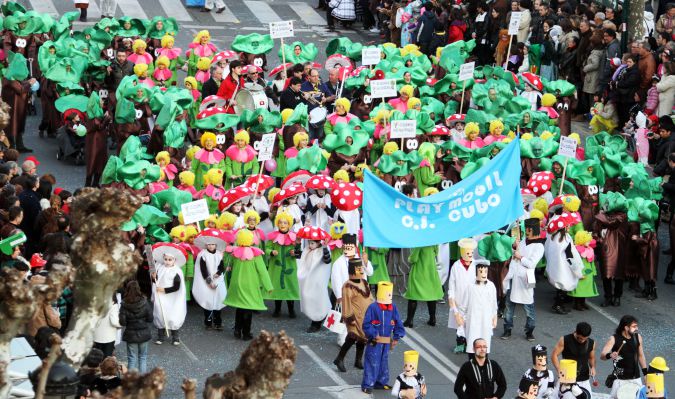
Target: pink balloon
[270,165]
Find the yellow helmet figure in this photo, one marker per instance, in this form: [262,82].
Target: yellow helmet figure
[411,357]
[659,363]
[567,372]
[385,292]
[655,385]
[466,247]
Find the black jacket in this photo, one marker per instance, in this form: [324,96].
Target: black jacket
[468,387]
[135,318]
[628,84]
[209,88]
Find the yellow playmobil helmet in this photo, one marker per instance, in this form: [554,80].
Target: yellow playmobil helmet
[659,363]
[385,292]
[411,357]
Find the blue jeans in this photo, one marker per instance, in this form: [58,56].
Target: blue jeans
[137,356]
[508,315]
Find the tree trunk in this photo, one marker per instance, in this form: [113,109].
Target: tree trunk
[136,385]
[102,262]
[18,303]
[636,15]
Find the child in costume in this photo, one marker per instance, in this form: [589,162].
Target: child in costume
[187,182]
[214,190]
[528,388]
[319,209]
[401,103]
[241,161]
[410,384]
[540,374]
[168,291]
[140,56]
[281,250]
[654,387]
[248,275]
[567,381]
[291,207]
[179,235]
[424,284]
[300,141]
[207,157]
[341,115]
[355,299]
[209,287]
[201,46]
[314,267]
[646,213]
[337,231]
[481,310]
[203,74]
[563,263]
[163,159]
[252,219]
[424,174]
[586,287]
[176,61]
[472,139]
[383,328]
[162,75]
[496,130]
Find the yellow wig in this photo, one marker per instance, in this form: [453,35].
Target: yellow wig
[190,153]
[381,115]
[414,102]
[244,238]
[285,114]
[284,216]
[540,205]
[298,137]
[242,135]
[207,136]
[251,214]
[548,99]
[536,214]
[576,137]
[179,233]
[430,191]
[390,148]
[192,82]
[163,60]
[140,69]
[273,191]
[226,221]
[341,175]
[344,103]
[187,178]
[214,177]
[496,123]
[211,219]
[163,156]
[139,44]
[407,90]
[191,232]
[203,63]
[582,237]
[200,34]
[168,40]
[471,127]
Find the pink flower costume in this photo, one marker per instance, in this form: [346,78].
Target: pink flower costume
[489,139]
[142,58]
[241,163]
[399,104]
[472,144]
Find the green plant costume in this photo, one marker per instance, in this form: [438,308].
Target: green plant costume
[282,267]
[247,277]
[423,281]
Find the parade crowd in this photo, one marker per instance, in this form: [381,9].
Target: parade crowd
[174,125]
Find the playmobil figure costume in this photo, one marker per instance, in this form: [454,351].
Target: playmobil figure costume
[340,272]
[654,387]
[248,275]
[462,276]
[383,328]
[540,374]
[481,310]
[168,293]
[567,382]
[520,289]
[209,288]
[410,384]
[527,388]
[355,299]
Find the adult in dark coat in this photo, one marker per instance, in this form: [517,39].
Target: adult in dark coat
[425,29]
[211,86]
[135,317]
[626,87]
[30,202]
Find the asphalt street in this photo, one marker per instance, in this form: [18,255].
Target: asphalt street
[207,352]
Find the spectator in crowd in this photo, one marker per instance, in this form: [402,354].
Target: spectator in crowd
[136,318]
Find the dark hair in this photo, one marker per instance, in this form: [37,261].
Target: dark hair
[634,58]
[473,344]
[610,32]
[31,182]
[662,35]
[4,179]
[109,366]
[132,292]
[14,212]
[94,358]
[121,50]
[42,344]
[584,329]
[295,81]
[408,189]
[65,194]
[671,157]
[297,68]
[625,321]
[9,201]
[234,64]
[11,155]
[62,222]
[526,4]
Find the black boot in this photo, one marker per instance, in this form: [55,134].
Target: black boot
[246,330]
[634,284]
[651,295]
[238,323]
[358,362]
[412,307]
[431,307]
[19,144]
[291,309]
[669,280]
[277,308]
[608,302]
[314,327]
[339,360]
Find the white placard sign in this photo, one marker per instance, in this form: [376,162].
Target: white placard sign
[466,71]
[266,147]
[568,147]
[401,129]
[383,88]
[195,211]
[281,29]
[370,56]
[514,24]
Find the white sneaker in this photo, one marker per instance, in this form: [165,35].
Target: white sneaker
[374,30]
[176,343]
[158,342]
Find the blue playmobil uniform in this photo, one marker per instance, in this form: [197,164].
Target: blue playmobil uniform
[642,393]
[378,324]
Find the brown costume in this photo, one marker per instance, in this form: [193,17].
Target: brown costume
[632,252]
[337,160]
[51,118]
[96,149]
[16,94]
[589,203]
[648,247]
[611,244]
[355,301]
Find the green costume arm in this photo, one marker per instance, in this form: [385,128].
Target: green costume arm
[262,273]
[328,128]
[428,177]
[228,167]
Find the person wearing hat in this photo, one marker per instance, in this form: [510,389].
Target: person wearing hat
[314,266]
[209,288]
[383,328]
[168,294]
[231,84]
[520,289]
[563,263]
[654,387]
[340,271]
[462,276]
[480,377]
[540,374]
[658,365]
[410,384]
[355,300]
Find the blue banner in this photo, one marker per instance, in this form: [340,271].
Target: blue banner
[485,201]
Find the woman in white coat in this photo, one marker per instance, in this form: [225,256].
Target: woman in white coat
[107,330]
[314,268]
[666,89]
[168,291]
[563,262]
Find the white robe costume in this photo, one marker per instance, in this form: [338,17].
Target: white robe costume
[172,304]
[516,278]
[320,218]
[313,277]
[459,282]
[481,310]
[207,297]
[563,273]
[443,262]
[352,220]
